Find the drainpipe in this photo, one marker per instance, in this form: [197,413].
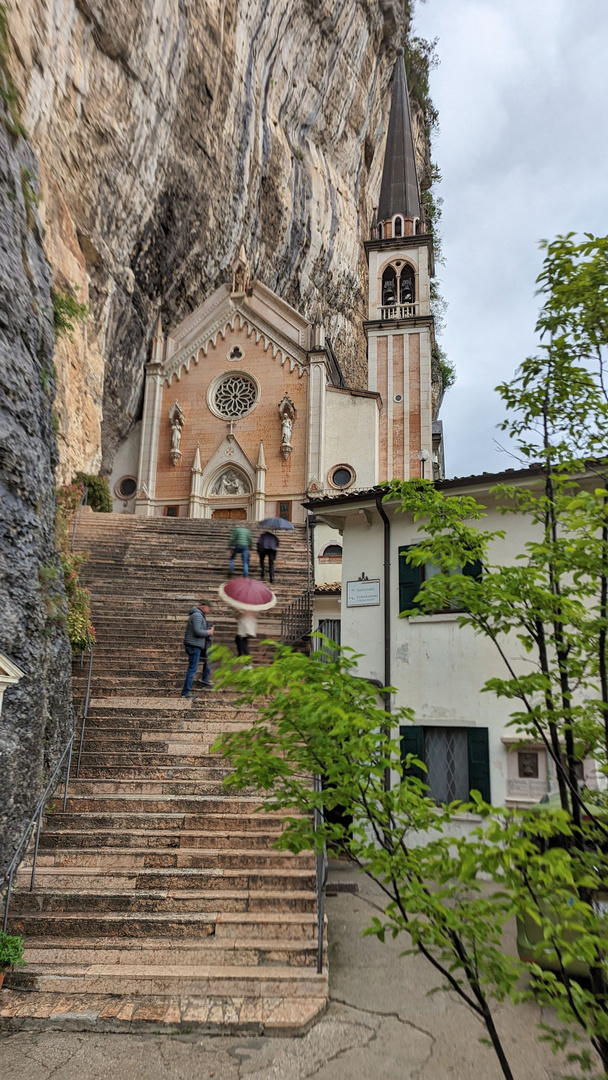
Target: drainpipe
[387,616]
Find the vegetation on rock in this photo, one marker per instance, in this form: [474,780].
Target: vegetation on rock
[81,631]
[97,489]
[67,310]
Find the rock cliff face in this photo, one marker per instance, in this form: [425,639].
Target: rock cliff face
[37,713]
[170,131]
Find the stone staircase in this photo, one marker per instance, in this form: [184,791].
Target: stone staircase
[160,902]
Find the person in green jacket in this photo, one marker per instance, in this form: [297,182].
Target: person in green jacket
[240,542]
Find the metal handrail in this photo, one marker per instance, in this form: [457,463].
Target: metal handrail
[83,502]
[87,699]
[296,619]
[321,879]
[36,821]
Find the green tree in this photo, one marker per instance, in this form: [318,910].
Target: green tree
[553,602]
[317,718]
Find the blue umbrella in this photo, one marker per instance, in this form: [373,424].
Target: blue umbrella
[276,523]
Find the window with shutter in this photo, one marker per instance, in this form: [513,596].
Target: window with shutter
[410,580]
[479,761]
[412,742]
[457,760]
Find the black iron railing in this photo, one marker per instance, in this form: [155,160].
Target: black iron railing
[83,502]
[296,619]
[87,699]
[321,881]
[35,823]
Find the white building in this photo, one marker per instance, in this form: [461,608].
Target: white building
[437,667]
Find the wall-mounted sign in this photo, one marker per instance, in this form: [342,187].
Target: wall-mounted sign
[364,593]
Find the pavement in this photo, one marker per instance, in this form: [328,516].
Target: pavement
[381,1024]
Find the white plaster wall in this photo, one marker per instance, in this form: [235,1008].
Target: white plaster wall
[351,437]
[437,667]
[326,572]
[126,463]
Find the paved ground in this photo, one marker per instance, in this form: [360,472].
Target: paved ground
[381,1025]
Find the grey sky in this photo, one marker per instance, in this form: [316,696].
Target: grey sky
[522,93]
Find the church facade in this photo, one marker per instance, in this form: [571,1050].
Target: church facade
[246,412]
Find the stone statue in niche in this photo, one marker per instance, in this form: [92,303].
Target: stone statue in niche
[176,419]
[287,413]
[230,482]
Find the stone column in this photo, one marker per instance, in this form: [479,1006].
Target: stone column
[315,448]
[259,498]
[148,450]
[197,503]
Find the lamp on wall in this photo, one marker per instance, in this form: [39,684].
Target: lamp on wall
[423,455]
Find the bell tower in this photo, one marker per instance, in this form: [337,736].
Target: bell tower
[400,327]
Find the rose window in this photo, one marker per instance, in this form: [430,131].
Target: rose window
[234,396]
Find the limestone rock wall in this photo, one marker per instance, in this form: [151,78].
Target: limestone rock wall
[37,715]
[170,131]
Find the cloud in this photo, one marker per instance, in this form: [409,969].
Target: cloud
[521,93]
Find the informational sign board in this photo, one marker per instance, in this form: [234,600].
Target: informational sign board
[363,593]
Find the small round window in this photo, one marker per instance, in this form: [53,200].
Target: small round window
[342,476]
[125,488]
[236,353]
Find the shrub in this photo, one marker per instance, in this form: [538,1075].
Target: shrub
[78,623]
[98,491]
[11,951]
[67,310]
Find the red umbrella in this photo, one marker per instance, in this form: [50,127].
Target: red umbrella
[247,594]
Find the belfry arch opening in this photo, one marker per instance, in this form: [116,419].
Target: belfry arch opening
[389,287]
[407,285]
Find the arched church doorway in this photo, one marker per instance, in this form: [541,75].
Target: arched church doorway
[234,513]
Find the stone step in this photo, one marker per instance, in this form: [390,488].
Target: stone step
[147,759]
[25,904]
[207,951]
[161,822]
[155,804]
[150,979]
[143,773]
[105,787]
[174,878]
[199,839]
[114,858]
[211,1015]
[261,925]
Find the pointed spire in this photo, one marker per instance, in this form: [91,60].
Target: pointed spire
[399,193]
[261,459]
[158,332]
[197,467]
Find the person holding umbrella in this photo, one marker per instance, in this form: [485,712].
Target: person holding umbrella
[267,545]
[248,597]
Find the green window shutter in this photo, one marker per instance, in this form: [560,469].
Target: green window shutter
[412,742]
[479,761]
[473,569]
[410,581]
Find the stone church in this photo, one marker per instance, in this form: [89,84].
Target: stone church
[246,412]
